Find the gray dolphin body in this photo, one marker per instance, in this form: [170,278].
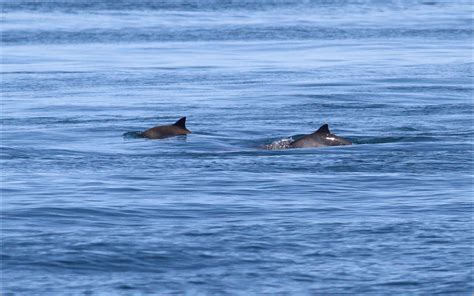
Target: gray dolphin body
[320,138]
[165,131]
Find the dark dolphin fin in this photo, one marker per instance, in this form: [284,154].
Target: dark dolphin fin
[181,123]
[324,130]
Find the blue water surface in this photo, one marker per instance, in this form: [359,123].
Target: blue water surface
[88,211]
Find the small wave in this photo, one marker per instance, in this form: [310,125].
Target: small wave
[392,139]
[401,283]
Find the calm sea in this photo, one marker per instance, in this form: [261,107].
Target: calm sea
[88,211]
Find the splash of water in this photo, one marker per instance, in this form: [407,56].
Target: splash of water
[133,135]
[279,144]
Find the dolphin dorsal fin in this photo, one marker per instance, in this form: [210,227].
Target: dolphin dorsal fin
[181,123]
[324,129]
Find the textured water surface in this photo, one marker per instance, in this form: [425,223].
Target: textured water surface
[86,210]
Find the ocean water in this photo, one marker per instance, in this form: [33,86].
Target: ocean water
[86,210]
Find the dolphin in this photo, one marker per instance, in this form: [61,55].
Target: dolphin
[320,138]
[165,131]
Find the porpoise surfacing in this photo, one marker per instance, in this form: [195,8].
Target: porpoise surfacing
[320,138]
[166,131]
